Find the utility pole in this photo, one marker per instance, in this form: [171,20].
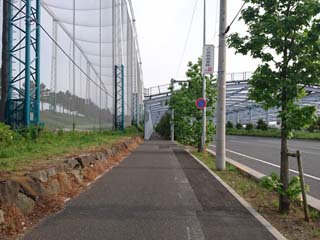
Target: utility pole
[221,103]
[204,111]
[172,114]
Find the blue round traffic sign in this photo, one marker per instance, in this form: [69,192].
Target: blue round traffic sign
[201,103]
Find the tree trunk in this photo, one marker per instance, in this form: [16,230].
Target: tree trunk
[5,61]
[284,204]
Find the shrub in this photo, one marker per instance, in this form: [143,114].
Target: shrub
[273,183]
[31,132]
[163,127]
[6,135]
[229,125]
[262,125]
[239,126]
[249,126]
[315,126]
[60,132]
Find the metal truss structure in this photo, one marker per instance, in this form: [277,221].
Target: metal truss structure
[119,98]
[242,110]
[239,108]
[23,100]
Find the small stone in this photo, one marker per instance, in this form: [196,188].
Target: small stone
[51,172]
[77,175]
[40,175]
[24,203]
[8,191]
[72,163]
[31,187]
[53,187]
[101,156]
[86,160]
[1,217]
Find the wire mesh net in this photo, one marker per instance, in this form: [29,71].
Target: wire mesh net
[81,43]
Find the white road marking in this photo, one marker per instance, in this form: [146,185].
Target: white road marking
[188,232]
[268,163]
[98,177]
[179,195]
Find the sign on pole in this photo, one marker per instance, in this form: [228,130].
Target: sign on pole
[208,59]
[201,103]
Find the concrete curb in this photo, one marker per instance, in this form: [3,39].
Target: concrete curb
[244,203]
[312,201]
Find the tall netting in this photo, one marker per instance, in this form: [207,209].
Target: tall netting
[82,41]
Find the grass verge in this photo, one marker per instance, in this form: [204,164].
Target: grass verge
[273,133]
[49,146]
[292,226]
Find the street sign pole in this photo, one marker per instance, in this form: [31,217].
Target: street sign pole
[204,93]
[221,104]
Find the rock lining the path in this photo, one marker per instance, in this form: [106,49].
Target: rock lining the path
[25,191]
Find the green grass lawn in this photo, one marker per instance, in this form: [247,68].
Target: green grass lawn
[273,133]
[49,146]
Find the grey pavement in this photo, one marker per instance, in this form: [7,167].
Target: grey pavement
[158,192]
[249,150]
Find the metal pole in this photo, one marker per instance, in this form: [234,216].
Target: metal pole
[172,125]
[27,64]
[116,97]
[100,63]
[204,112]
[114,54]
[122,98]
[303,189]
[53,84]
[172,114]
[74,67]
[6,72]
[38,67]
[221,103]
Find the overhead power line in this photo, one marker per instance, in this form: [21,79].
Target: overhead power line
[188,36]
[229,26]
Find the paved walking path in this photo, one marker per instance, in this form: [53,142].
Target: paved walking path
[158,192]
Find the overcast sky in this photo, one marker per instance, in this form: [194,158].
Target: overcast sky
[163,27]
[162,30]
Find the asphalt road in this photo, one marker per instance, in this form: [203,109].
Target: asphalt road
[158,192]
[263,155]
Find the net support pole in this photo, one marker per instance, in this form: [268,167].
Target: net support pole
[122,99]
[27,64]
[38,67]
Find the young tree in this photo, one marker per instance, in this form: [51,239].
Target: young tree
[284,35]
[187,118]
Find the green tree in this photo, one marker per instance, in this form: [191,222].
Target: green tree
[188,119]
[229,125]
[262,125]
[284,35]
[163,127]
[249,126]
